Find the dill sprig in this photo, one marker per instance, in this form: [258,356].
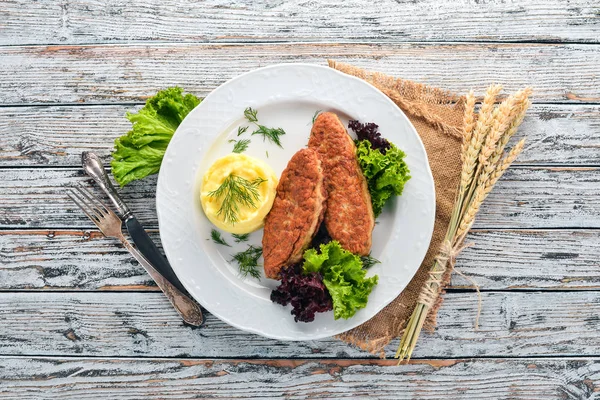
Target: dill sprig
[240,237]
[369,261]
[241,130]
[270,133]
[316,115]
[241,145]
[236,191]
[247,261]
[217,238]
[267,133]
[251,114]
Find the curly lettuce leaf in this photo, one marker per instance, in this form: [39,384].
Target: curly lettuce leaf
[139,153]
[386,173]
[343,276]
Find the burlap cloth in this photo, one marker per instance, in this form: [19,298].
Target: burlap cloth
[438,117]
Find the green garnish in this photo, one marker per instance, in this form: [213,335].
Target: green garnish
[267,153]
[139,153]
[241,130]
[251,114]
[343,276]
[369,261]
[217,238]
[241,145]
[236,191]
[386,173]
[270,133]
[267,133]
[240,237]
[316,115]
[248,261]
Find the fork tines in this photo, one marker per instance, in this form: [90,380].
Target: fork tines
[91,205]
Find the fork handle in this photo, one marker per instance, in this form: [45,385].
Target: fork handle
[188,309]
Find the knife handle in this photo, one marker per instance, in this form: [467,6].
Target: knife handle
[187,308]
[93,166]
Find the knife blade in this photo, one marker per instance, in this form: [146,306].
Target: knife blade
[147,247]
[93,166]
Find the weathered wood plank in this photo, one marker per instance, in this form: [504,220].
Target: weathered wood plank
[80,260]
[515,324]
[81,378]
[553,259]
[103,21]
[499,259]
[56,135]
[539,197]
[124,73]
[543,197]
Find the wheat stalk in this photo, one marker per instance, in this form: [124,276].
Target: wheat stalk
[483,147]
[469,121]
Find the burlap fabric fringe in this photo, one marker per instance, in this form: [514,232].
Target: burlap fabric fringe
[438,118]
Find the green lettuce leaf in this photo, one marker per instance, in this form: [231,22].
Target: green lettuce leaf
[139,153]
[386,173]
[343,276]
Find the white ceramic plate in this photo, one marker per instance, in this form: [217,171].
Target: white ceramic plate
[285,96]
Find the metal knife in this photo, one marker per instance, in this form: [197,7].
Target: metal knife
[93,166]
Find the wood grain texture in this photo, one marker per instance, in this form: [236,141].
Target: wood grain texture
[56,135]
[74,259]
[102,21]
[81,378]
[512,324]
[548,259]
[498,259]
[128,73]
[536,197]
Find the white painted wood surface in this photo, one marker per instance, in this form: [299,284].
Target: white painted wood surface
[82,260]
[56,135]
[80,319]
[492,379]
[526,197]
[101,21]
[133,72]
[512,324]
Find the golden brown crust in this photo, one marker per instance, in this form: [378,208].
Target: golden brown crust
[296,214]
[349,217]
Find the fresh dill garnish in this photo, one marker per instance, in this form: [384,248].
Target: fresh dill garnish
[251,114]
[369,261]
[236,191]
[267,153]
[241,130]
[240,237]
[241,145]
[316,115]
[270,133]
[267,133]
[248,261]
[217,238]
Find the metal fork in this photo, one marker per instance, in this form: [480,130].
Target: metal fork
[110,225]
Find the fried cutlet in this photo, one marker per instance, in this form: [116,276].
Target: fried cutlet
[296,214]
[349,217]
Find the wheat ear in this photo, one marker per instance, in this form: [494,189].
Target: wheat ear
[502,119]
[469,121]
[521,105]
[481,128]
[484,190]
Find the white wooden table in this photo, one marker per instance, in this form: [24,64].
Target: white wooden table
[79,319]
